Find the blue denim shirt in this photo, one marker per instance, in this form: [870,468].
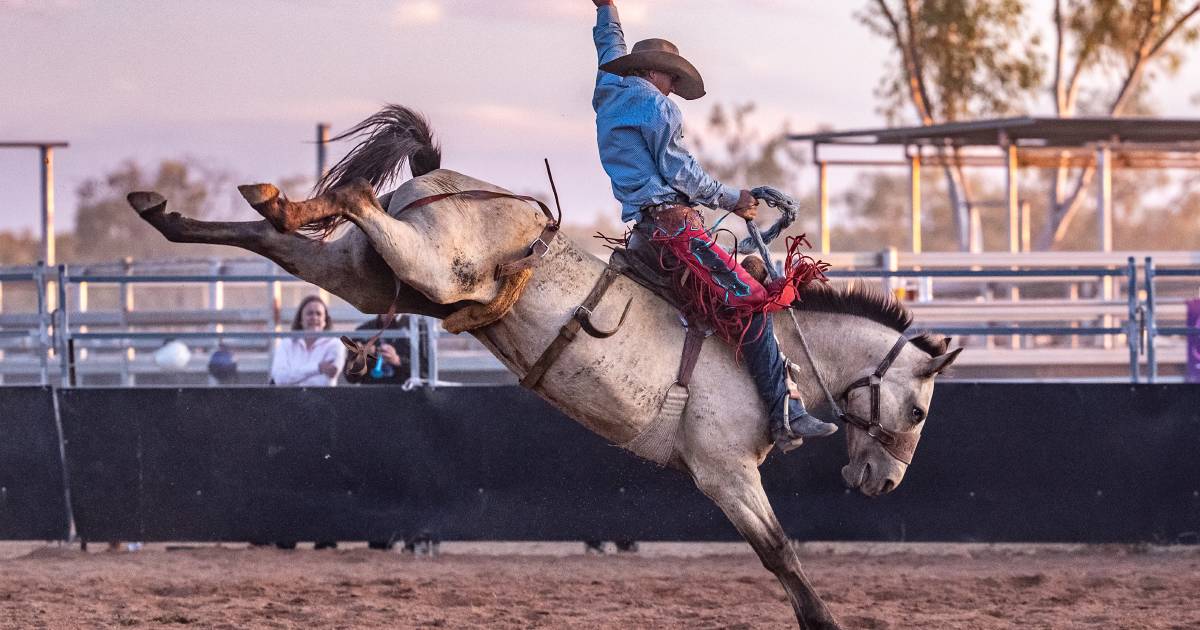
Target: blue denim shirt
[639,132]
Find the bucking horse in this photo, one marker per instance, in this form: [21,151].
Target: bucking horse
[485,261]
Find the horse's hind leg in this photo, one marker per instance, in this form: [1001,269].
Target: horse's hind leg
[288,216]
[741,497]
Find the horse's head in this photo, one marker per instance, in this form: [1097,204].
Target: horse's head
[886,411]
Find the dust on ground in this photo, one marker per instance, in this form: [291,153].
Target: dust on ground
[556,585]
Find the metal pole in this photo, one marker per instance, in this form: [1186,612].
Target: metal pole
[823,205]
[914,170]
[62,329]
[43,335]
[431,336]
[414,349]
[1104,212]
[322,140]
[126,306]
[1131,325]
[1014,219]
[1026,228]
[1104,217]
[1014,209]
[1151,324]
[48,253]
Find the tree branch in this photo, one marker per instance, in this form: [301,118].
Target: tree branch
[1145,52]
[1058,92]
[915,87]
[917,63]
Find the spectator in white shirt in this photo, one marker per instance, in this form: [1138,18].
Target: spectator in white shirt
[309,361]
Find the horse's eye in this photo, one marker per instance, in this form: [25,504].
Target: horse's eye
[918,414]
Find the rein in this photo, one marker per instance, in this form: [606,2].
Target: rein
[899,444]
[515,273]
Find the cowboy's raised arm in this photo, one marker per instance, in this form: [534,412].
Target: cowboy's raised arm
[610,40]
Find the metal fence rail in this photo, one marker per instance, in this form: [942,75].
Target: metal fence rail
[55,331]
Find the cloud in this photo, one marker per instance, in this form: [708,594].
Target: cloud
[416,12]
[44,8]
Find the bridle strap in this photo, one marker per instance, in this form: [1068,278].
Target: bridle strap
[899,445]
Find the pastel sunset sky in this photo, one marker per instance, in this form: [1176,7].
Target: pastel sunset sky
[240,85]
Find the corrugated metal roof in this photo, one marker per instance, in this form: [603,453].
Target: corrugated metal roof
[1024,131]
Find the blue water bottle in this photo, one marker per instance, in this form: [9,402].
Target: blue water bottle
[377,371]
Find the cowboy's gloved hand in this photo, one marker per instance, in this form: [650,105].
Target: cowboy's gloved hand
[747,206]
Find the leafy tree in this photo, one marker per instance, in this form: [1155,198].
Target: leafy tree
[1100,40]
[975,58]
[743,155]
[21,248]
[958,59]
[106,228]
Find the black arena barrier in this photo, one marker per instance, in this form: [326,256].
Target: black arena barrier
[1055,462]
[33,505]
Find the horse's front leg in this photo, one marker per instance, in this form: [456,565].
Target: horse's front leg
[740,495]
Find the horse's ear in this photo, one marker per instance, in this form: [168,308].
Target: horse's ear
[938,364]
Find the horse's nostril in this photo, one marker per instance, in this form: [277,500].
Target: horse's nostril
[888,485]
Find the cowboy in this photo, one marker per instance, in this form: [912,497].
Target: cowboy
[659,183]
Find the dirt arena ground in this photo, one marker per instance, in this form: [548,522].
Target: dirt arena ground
[523,585]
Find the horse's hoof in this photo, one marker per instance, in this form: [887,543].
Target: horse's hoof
[258,194]
[267,201]
[145,201]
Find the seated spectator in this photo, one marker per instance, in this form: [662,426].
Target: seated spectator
[394,368]
[309,361]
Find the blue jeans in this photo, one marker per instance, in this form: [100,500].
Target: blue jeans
[760,351]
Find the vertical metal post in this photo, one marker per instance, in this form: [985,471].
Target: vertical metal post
[431,336]
[216,292]
[1104,210]
[1131,324]
[1014,204]
[1014,219]
[890,262]
[975,236]
[62,328]
[275,299]
[414,348]
[1026,228]
[81,305]
[43,333]
[1104,218]
[322,140]
[1151,324]
[914,176]
[823,205]
[48,248]
[127,306]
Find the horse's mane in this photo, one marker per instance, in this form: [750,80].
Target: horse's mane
[865,301]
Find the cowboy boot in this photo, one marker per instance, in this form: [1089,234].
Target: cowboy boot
[790,435]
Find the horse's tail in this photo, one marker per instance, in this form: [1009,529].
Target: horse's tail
[390,138]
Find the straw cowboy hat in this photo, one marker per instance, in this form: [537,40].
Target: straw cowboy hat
[661,55]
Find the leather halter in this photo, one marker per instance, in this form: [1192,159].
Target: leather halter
[898,444]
